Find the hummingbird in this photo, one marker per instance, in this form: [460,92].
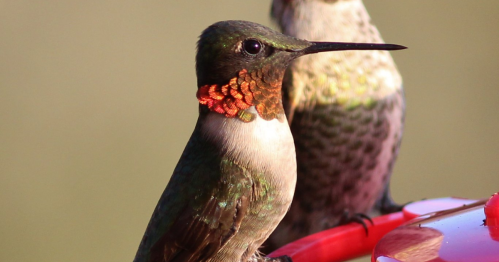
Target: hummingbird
[236,177]
[346,112]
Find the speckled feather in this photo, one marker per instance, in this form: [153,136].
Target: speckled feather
[346,111]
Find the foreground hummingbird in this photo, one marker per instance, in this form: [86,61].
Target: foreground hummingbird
[236,177]
[346,111]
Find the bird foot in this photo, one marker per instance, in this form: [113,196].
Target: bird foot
[271,259]
[356,218]
[278,259]
[387,206]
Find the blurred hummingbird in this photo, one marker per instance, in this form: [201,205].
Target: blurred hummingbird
[346,113]
[236,177]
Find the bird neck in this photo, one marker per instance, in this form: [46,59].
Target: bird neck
[260,88]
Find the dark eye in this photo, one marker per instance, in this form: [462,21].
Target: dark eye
[252,46]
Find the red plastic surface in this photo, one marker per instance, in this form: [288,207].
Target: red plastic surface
[340,243]
[491,210]
[428,206]
[453,235]
[350,241]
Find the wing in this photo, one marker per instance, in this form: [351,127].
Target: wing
[201,208]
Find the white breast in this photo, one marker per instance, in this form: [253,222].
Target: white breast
[266,146]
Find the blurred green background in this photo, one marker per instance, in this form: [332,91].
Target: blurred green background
[97,100]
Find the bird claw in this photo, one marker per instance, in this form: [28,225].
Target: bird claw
[357,218]
[273,259]
[386,205]
[280,259]
[391,207]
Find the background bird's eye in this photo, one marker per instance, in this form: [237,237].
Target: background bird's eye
[252,46]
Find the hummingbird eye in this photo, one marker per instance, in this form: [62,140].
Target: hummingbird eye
[252,46]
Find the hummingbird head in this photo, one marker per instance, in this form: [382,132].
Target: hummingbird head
[225,48]
[240,64]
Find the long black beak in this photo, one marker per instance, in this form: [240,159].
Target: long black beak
[317,47]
